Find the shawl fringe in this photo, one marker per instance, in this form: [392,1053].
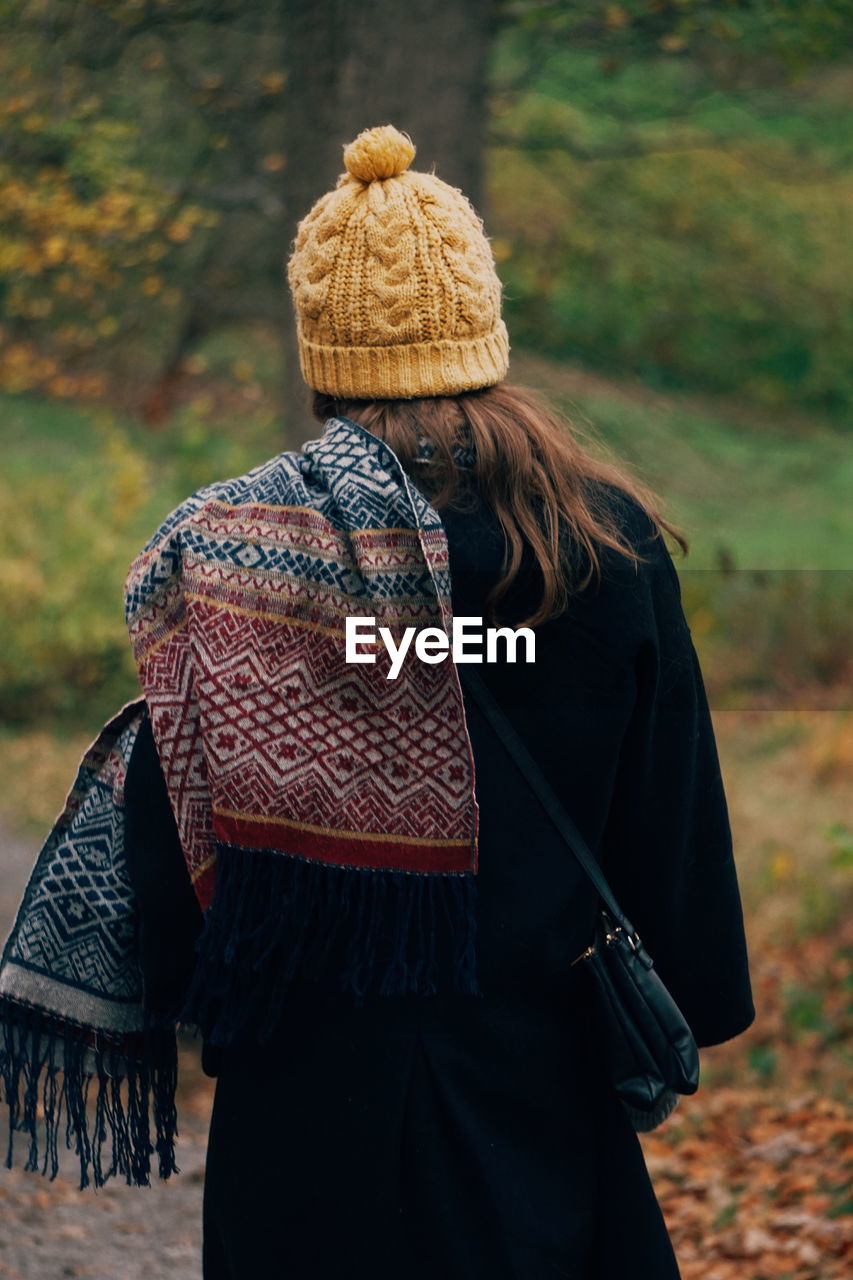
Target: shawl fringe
[276,919]
[53,1069]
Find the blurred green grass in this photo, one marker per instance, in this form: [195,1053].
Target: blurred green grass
[764,491]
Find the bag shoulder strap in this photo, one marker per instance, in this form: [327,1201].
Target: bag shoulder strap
[544,793]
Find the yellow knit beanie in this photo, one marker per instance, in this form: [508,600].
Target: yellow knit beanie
[394,284]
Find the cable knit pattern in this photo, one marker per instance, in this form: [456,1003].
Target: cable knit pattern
[394,283]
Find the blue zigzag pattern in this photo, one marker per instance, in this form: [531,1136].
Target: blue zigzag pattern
[348,476]
[77,923]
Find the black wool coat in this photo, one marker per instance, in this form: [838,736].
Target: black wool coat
[478,1138]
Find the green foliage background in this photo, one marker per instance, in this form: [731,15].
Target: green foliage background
[648,218]
[670,190]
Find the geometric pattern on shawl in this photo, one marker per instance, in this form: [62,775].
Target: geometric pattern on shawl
[72,948]
[268,738]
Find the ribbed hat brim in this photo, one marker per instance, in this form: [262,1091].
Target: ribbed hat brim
[440,368]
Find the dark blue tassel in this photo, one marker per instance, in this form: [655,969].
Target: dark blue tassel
[58,1064]
[276,920]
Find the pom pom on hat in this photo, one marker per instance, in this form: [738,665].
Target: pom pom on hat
[380,153]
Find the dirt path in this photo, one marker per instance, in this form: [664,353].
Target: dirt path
[49,1230]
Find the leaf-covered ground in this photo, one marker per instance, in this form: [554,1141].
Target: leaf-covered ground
[756,1179]
[753,1186]
[755,1173]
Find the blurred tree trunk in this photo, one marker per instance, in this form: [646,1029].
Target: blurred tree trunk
[420,65]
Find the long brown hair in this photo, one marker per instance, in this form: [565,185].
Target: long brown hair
[530,468]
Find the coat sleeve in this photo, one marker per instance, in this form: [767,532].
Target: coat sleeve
[667,846]
[170,919]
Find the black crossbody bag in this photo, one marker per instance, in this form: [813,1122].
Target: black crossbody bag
[649,1049]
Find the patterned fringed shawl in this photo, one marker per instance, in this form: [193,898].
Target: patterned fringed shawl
[316,800]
